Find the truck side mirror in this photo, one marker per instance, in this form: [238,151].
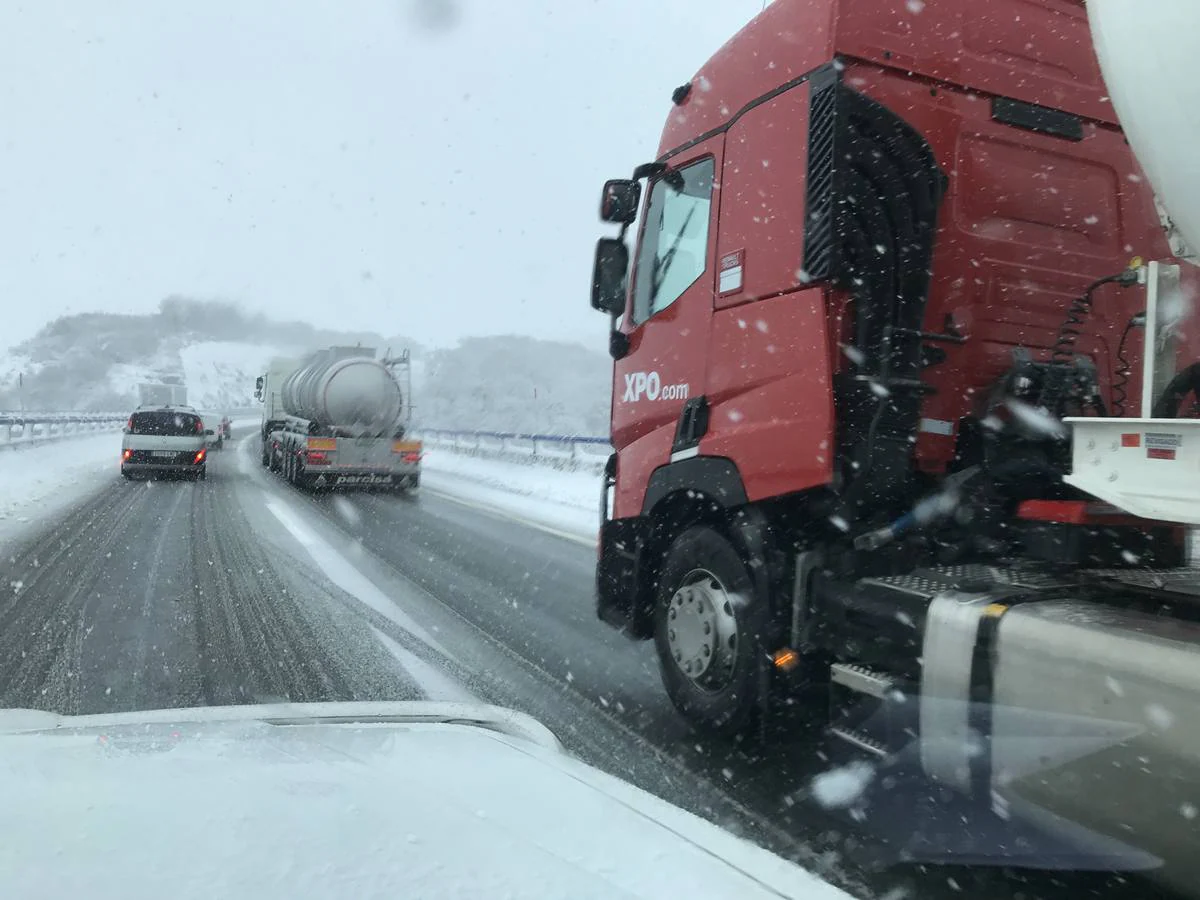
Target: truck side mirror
[258,388]
[619,201]
[608,276]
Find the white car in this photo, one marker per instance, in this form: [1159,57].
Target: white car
[353,800]
[165,440]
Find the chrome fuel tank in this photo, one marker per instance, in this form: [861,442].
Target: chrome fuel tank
[1122,752]
[1093,725]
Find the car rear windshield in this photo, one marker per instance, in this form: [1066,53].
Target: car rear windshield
[172,424]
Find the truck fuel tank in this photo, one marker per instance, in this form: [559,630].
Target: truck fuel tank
[1089,716]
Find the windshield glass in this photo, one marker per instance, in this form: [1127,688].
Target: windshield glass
[675,238]
[306,414]
[170,424]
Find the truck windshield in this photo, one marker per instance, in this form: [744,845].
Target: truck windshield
[170,424]
[675,240]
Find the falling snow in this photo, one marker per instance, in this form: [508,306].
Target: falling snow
[853,354]
[1159,716]
[839,788]
[1036,419]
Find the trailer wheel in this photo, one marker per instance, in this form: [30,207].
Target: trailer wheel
[707,629]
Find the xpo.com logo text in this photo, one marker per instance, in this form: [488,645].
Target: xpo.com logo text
[649,386]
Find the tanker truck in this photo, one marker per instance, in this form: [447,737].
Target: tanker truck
[337,419]
[899,405]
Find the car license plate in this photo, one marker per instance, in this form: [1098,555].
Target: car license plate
[164,453]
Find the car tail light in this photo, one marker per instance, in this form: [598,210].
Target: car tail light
[126,454]
[318,456]
[410,457]
[199,457]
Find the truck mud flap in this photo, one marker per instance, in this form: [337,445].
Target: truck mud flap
[616,584]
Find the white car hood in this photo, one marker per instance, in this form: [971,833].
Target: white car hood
[266,802]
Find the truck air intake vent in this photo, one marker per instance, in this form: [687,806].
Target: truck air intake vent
[873,191]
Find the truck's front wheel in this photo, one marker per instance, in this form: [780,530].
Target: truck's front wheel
[708,630]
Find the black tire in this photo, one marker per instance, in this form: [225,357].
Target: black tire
[726,697]
[294,475]
[125,473]
[202,475]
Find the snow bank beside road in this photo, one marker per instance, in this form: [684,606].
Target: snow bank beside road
[38,482]
[566,502]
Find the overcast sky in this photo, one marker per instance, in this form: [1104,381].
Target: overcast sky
[370,163]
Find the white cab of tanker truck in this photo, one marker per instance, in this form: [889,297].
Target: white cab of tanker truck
[338,419]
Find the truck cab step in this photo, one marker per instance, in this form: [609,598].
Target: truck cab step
[859,740]
[861,679]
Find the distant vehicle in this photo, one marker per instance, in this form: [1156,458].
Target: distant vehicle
[162,394]
[162,440]
[225,429]
[337,419]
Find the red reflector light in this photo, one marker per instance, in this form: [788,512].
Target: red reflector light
[1131,440]
[317,456]
[1074,512]
[199,457]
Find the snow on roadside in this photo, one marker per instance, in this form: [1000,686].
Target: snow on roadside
[38,482]
[566,501]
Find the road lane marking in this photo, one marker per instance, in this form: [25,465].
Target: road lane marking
[346,576]
[435,684]
[505,514]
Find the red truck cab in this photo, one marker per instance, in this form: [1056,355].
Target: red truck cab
[880,239]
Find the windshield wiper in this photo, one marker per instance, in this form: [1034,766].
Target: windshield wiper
[661,266]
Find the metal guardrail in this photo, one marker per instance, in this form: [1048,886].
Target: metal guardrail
[18,429]
[560,450]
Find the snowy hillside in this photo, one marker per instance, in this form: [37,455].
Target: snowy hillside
[220,374]
[95,361]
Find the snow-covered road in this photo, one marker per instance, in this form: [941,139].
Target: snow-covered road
[244,589]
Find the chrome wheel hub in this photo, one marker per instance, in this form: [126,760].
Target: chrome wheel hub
[702,632]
